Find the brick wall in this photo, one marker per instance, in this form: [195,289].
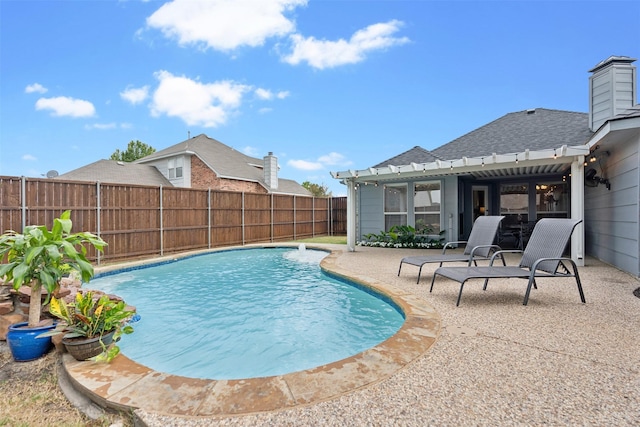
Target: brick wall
[202,178]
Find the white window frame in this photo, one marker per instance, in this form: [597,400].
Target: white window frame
[417,213]
[175,167]
[401,212]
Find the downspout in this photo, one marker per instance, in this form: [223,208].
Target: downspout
[351,216]
[577,210]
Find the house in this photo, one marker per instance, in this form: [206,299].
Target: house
[526,165]
[116,172]
[198,162]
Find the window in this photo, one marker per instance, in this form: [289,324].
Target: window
[514,203]
[175,168]
[395,205]
[552,200]
[426,200]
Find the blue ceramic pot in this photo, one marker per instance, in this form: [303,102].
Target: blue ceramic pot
[25,345]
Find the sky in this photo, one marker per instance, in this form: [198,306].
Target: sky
[325,85]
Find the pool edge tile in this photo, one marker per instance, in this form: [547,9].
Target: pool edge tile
[124,384]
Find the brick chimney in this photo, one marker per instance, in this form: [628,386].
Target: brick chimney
[612,89]
[271,171]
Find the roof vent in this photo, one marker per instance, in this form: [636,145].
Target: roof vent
[531,111]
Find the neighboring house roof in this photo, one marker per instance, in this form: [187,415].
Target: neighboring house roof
[226,162]
[116,172]
[533,130]
[415,155]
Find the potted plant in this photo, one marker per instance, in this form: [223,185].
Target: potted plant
[39,258]
[90,324]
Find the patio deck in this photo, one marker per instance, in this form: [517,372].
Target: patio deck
[555,361]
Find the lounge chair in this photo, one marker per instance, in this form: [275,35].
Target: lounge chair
[541,258]
[479,246]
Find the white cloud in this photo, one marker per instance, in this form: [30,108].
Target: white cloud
[101,126]
[224,24]
[196,103]
[265,110]
[264,94]
[251,151]
[135,95]
[330,159]
[267,95]
[333,159]
[35,88]
[29,157]
[305,165]
[328,54]
[65,106]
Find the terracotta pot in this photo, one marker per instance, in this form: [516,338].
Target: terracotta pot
[85,348]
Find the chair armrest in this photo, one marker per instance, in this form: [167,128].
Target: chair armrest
[534,267]
[499,254]
[494,247]
[450,244]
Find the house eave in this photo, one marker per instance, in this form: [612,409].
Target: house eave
[528,162]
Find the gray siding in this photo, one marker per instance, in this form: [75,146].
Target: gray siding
[371,210]
[612,92]
[450,208]
[612,233]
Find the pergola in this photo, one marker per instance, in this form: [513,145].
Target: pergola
[494,166]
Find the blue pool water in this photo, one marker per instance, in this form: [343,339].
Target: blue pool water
[247,313]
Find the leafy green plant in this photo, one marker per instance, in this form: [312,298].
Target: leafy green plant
[404,236]
[39,258]
[90,316]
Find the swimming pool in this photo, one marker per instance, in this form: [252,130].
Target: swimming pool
[247,313]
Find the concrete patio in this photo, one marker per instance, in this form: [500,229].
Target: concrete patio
[555,361]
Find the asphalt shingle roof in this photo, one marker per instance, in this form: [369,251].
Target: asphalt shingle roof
[115,172]
[536,129]
[415,155]
[226,162]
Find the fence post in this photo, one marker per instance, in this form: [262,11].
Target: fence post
[313,217]
[23,195]
[330,216]
[161,224]
[98,217]
[209,218]
[295,216]
[272,218]
[243,237]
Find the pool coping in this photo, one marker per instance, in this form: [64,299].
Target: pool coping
[125,385]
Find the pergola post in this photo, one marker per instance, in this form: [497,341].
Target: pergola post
[577,210]
[351,216]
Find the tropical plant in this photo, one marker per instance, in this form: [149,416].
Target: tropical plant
[91,316]
[39,258]
[404,236]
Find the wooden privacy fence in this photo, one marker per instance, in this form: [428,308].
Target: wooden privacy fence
[144,221]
